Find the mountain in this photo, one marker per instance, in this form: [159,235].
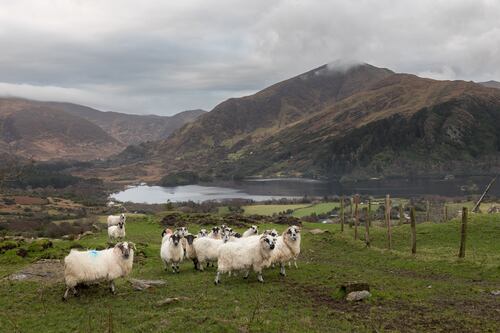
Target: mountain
[33,129]
[361,121]
[491,84]
[129,128]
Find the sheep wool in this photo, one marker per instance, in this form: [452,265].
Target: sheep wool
[171,251]
[93,266]
[245,255]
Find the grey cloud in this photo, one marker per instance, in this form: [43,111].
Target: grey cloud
[165,57]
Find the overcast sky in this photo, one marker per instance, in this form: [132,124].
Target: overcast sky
[163,57]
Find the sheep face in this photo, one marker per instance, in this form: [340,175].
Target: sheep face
[183,231]
[215,230]
[166,231]
[237,235]
[293,232]
[121,224]
[125,248]
[190,238]
[255,229]
[176,238]
[122,218]
[228,231]
[267,242]
[273,233]
[203,233]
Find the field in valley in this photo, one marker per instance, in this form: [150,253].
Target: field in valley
[431,291]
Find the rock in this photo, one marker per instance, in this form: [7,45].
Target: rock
[87,233]
[170,300]
[66,237]
[145,284]
[167,300]
[354,286]
[317,231]
[495,292]
[355,296]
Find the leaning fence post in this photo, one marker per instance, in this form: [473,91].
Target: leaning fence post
[445,212]
[461,253]
[367,227]
[413,231]
[342,214]
[356,216]
[388,220]
[427,211]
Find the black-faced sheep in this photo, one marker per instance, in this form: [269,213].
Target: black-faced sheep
[93,266]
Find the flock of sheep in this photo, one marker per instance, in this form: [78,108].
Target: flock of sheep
[231,251]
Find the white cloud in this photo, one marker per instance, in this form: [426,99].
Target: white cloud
[166,56]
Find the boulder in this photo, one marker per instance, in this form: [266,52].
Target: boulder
[356,296]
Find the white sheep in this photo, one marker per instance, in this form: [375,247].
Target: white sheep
[207,250]
[114,220]
[203,233]
[252,231]
[116,231]
[94,266]
[215,233]
[190,252]
[253,253]
[287,248]
[171,251]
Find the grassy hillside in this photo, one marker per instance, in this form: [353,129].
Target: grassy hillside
[432,291]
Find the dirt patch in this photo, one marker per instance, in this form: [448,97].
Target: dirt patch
[45,270]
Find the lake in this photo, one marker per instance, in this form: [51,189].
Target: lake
[267,189]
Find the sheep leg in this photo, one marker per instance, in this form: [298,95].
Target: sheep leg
[195,262]
[217,278]
[166,265]
[246,275]
[65,296]
[177,268]
[75,292]
[259,277]
[282,269]
[201,265]
[295,263]
[112,287]
[290,263]
[173,267]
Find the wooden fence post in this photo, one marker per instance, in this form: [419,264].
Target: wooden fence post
[445,212]
[427,212]
[413,231]
[356,216]
[463,236]
[351,211]
[401,216]
[342,214]
[369,212]
[367,227]
[388,220]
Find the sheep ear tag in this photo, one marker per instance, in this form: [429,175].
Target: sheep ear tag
[93,253]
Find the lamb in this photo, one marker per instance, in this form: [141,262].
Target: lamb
[252,231]
[207,250]
[254,253]
[171,251]
[114,220]
[215,233]
[94,266]
[203,233]
[190,252]
[117,231]
[287,248]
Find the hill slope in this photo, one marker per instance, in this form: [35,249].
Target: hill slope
[33,129]
[130,128]
[362,121]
